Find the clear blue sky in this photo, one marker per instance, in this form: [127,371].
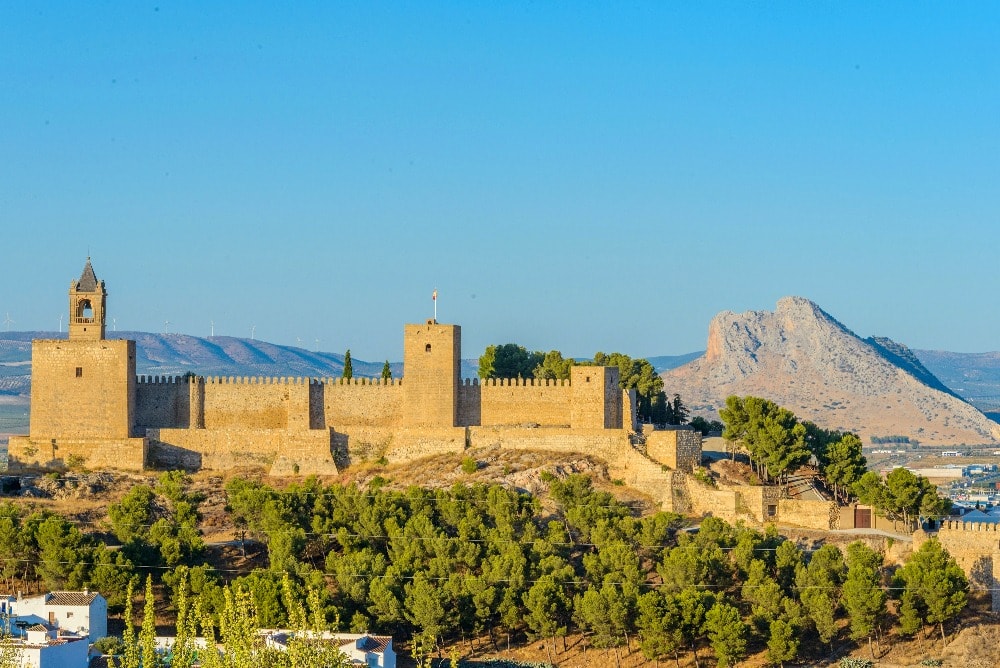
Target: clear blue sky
[572,175]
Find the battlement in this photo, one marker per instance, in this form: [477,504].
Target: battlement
[264,380]
[516,382]
[387,382]
[979,527]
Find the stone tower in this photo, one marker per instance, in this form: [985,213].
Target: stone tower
[597,399]
[431,374]
[83,388]
[87,304]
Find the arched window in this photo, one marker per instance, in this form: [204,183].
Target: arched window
[85,311]
[427,348]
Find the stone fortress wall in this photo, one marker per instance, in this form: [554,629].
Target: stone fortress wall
[90,407]
[976,548]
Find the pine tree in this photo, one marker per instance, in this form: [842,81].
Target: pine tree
[386,371]
[936,589]
[348,368]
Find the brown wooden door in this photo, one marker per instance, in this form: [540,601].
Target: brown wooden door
[862,518]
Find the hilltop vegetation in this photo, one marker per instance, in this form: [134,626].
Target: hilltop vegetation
[483,561]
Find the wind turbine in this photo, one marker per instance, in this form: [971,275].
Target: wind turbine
[212,325]
[7,322]
[165,323]
[253,328]
[114,324]
[60,322]
[317,344]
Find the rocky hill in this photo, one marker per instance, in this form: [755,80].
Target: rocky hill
[804,359]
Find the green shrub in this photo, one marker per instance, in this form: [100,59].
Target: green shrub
[469,465]
[851,662]
[109,645]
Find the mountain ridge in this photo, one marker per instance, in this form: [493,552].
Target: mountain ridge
[806,360]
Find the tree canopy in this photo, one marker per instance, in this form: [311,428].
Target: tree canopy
[509,360]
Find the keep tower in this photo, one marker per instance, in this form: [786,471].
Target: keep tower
[431,374]
[87,306]
[83,391]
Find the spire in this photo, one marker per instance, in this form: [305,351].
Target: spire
[88,281]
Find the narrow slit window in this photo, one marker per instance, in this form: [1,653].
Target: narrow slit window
[79,372]
[427,348]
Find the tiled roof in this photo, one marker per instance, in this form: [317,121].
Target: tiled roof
[370,643]
[88,281]
[38,627]
[70,598]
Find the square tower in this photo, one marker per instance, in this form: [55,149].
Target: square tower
[597,398]
[432,356]
[83,387]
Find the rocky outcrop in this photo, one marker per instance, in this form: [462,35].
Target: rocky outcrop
[804,359]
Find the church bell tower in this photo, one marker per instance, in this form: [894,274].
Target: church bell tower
[87,306]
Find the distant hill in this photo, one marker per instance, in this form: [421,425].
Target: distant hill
[663,363]
[804,359]
[177,354]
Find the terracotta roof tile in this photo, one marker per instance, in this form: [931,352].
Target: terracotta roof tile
[70,598]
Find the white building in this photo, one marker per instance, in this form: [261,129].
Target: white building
[42,648]
[80,612]
[361,649]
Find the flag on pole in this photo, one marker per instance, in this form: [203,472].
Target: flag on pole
[434,295]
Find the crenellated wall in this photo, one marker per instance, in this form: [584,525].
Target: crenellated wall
[163,401]
[260,403]
[361,402]
[518,401]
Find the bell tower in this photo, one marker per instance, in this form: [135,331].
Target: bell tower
[87,306]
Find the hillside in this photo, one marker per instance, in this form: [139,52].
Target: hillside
[804,359]
[177,354]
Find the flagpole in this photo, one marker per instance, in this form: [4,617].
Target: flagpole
[434,297]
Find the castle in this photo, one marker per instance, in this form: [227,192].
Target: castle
[88,407]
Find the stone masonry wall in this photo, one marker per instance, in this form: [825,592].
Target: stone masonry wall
[680,449]
[127,454]
[260,403]
[822,515]
[229,448]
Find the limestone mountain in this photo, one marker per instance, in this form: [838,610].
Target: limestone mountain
[805,360]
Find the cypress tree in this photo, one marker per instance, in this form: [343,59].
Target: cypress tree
[348,369]
[386,371]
